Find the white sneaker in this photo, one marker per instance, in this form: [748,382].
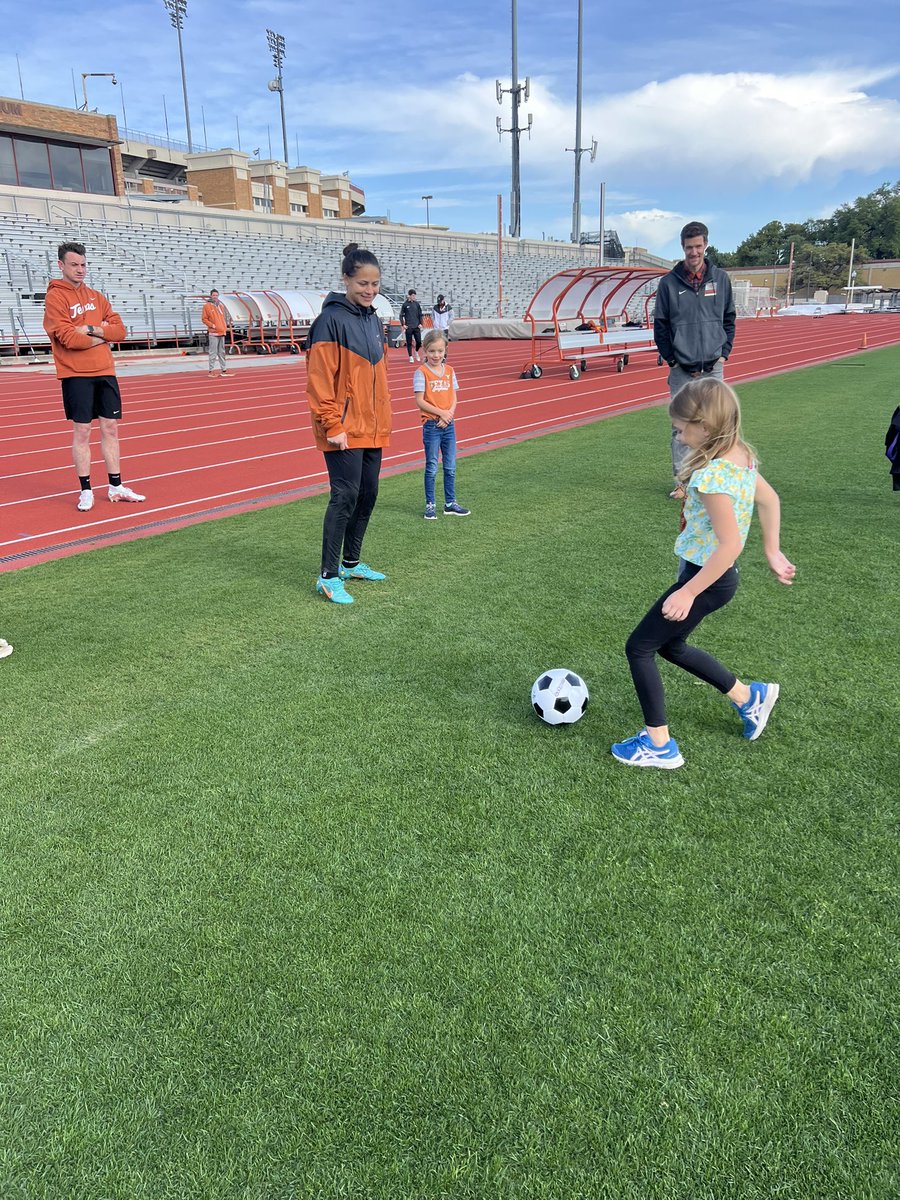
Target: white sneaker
[411,359]
[418,359]
[85,500]
[123,493]
[5,648]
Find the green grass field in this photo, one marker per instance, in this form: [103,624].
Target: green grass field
[303,901]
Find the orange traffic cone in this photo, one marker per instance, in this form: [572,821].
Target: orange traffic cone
[863,345]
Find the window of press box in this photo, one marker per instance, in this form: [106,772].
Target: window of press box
[7,161]
[33,162]
[65,163]
[97,170]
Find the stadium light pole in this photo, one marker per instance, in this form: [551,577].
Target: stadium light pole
[177,10]
[578,149]
[427,212]
[276,45]
[518,92]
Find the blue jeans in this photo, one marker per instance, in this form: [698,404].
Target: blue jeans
[439,441]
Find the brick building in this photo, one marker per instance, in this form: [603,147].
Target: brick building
[67,150]
[59,149]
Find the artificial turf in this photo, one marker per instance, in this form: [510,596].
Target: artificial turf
[302,901]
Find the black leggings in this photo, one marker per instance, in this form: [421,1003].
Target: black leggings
[354,489]
[410,334]
[655,635]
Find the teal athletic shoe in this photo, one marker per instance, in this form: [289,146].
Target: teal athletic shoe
[756,712]
[639,751]
[361,571]
[333,589]
[455,510]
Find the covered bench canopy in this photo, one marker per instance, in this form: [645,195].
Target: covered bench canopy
[581,311]
[589,293]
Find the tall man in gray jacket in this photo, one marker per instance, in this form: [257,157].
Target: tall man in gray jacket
[693,325]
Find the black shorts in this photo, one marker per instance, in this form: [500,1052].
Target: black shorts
[88,396]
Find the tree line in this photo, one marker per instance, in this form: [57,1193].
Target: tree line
[822,246]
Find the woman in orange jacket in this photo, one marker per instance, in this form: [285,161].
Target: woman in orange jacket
[350,405]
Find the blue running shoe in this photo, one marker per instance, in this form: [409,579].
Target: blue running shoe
[456,510]
[756,712]
[333,589]
[639,751]
[430,512]
[361,571]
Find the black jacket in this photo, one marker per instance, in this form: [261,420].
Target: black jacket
[892,447]
[411,314]
[693,326]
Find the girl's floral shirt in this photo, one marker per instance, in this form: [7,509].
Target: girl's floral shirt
[697,539]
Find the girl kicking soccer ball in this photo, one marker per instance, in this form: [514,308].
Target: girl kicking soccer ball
[722,484]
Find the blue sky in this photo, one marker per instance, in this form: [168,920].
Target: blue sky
[735,114]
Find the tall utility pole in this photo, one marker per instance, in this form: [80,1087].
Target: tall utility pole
[276,45]
[790,278]
[177,10]
[850,276]
[578,149]
[602,258]
[518,92]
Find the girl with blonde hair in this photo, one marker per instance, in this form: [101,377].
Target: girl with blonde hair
[722,485]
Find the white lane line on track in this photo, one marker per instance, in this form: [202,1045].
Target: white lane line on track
[191,504]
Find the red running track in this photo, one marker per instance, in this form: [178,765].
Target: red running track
[202,448]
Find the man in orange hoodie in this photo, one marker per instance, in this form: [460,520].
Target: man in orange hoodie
[215,318]
[81,324]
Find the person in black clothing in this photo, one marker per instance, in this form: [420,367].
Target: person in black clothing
[410,322]
[693,324]
[892,448]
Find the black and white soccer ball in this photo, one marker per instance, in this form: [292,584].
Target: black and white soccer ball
[559,697]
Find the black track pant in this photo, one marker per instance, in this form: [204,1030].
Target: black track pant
[413,334]
[655,635]
[354,490]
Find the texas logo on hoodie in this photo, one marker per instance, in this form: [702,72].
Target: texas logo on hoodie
[65,308]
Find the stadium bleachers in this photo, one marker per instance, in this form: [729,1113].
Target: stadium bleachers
[154,273]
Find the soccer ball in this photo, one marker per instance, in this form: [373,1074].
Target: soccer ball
[559,697]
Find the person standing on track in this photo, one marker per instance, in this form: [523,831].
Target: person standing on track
[215,318]
[693,325]
[80,324]
[350,404]
[411,323]
[441,316]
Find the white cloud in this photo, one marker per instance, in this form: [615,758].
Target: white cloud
[734,128]
[754,126]
[653,228]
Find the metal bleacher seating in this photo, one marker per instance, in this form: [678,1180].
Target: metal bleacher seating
[154,274]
